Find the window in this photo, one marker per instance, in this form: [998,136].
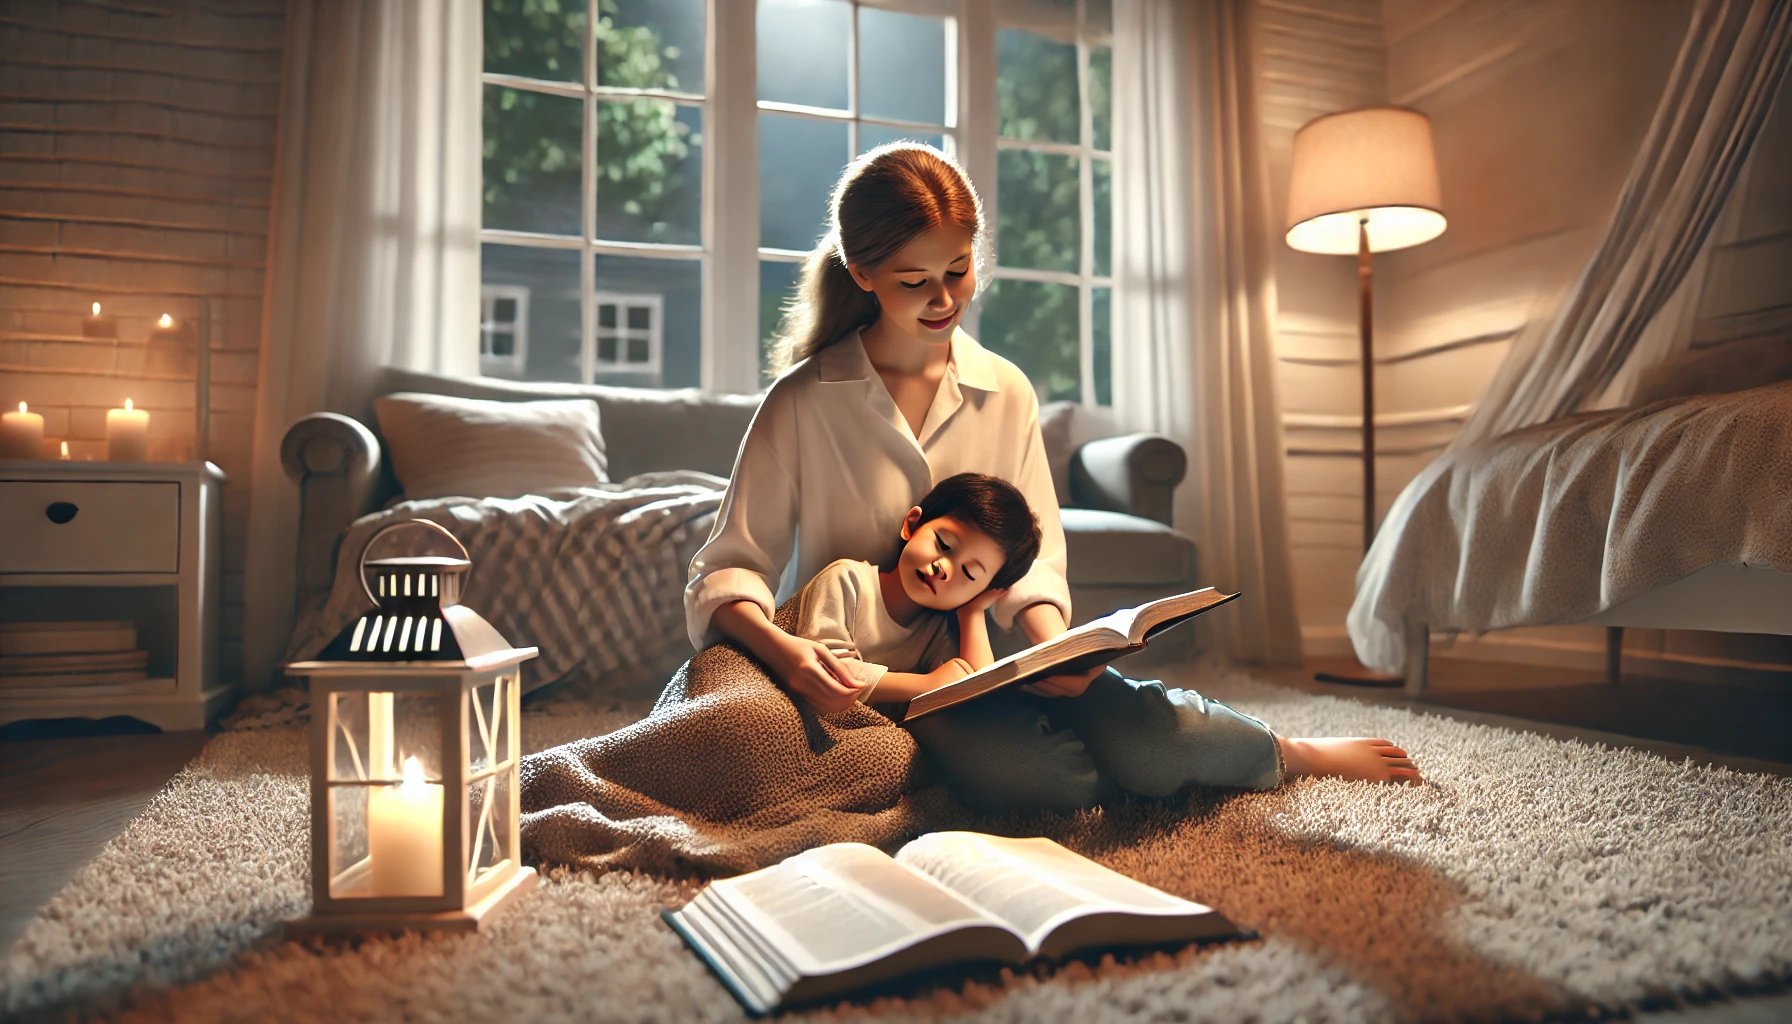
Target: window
[503,329]
[630,165]
[593,181]
[825,97]
[628,333]
[1048,305]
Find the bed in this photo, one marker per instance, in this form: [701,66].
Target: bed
[1673,514]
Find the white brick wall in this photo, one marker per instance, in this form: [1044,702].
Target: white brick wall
[136,148]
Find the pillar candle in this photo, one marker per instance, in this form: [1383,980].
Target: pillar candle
[98,325]
[127,434]
[404,836]
[166,328]
[21,434]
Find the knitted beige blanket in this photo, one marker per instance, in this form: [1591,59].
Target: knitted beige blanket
[728,774]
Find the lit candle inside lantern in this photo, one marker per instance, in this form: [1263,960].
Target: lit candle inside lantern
[404,836]
[21,434]
[99,325]
[127,434]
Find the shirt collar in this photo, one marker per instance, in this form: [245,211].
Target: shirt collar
[846,360]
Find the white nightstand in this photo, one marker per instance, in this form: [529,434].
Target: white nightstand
[119,540]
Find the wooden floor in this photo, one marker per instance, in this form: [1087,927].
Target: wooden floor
[65,797]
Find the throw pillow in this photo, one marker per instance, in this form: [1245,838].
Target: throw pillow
[1054,428]
[443,447]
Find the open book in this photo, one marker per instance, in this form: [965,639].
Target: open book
[1093,643]
[839,917]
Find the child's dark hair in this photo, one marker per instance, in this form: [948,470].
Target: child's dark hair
[996,507]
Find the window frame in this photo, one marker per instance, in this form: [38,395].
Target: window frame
[729,252]
[654,335]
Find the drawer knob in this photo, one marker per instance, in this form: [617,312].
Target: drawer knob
[61,512]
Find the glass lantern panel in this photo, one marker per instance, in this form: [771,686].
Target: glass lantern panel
[348,849]
[373,734]
[488,723]
[491,802]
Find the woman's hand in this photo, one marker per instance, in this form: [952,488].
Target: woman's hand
[1042,622]
[816,674]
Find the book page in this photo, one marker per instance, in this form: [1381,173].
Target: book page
[1033,884]
[840,905]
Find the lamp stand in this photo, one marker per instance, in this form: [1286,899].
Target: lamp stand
[1365,277]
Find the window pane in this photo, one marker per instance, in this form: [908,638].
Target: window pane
[535,39]
[649,172]
[777,286]
[1038,220]
[679,283]
[552,277]
[532,159]
[1034,324]
[872,136]
[1036,88]
[651,44]
[1102,307]
[799,160]
[803,50]
[902,66]
[1098,19]
[1101,96]
[1102,174]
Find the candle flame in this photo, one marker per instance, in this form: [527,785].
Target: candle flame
[127,405]
[65,450]
[21,406]
[165,321]
[96,309]
[413,773]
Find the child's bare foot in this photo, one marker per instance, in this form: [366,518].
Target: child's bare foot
[1365,760]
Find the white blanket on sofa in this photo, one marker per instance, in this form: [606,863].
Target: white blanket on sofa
[1556,523]
[593,576]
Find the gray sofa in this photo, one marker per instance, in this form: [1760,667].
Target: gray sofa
[1121,547]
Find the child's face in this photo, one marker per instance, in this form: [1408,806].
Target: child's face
[924,289]
[946,561]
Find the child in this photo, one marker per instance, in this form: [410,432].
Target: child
[920,625]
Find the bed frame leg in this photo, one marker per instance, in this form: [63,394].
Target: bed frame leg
[1614,654]
[1418,658]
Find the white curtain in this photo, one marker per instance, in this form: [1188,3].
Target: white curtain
[1729,68]
[1195,296]
[373,247]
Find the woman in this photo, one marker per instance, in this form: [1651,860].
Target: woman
[880,396]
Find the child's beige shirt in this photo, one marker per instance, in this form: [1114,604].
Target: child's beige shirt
[843,607]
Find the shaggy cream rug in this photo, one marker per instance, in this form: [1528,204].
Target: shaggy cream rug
[1528,878]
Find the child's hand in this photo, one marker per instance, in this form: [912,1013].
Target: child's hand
[982,602]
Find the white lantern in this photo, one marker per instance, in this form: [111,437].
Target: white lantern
[414,757]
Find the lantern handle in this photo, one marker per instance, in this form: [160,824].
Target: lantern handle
[361,567]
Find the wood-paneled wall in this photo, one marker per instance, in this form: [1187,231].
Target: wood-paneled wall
[136,154]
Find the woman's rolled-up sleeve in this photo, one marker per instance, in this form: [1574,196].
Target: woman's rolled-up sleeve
[1046,582]
[755,527]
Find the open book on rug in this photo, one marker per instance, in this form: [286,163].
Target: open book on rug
[1093,643]
[840,917]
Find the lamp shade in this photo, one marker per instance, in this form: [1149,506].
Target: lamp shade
[1374,165]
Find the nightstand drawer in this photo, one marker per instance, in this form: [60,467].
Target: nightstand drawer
[50,526]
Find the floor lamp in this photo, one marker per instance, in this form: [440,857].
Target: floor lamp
[1364,181]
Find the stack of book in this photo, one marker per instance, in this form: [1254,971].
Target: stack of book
[65,659]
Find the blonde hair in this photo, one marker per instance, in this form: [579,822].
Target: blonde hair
[882,202]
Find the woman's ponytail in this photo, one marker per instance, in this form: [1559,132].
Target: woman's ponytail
[882,202]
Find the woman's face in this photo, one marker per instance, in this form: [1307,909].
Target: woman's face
[924,288]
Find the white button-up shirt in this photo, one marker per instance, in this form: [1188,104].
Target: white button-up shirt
[829,467]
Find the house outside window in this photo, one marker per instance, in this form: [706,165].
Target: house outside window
[682,162]
[503,329]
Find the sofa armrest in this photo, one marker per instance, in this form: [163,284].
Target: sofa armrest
[1135,474]
[336,463]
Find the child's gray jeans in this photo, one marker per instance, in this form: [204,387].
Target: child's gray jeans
[1011,752]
